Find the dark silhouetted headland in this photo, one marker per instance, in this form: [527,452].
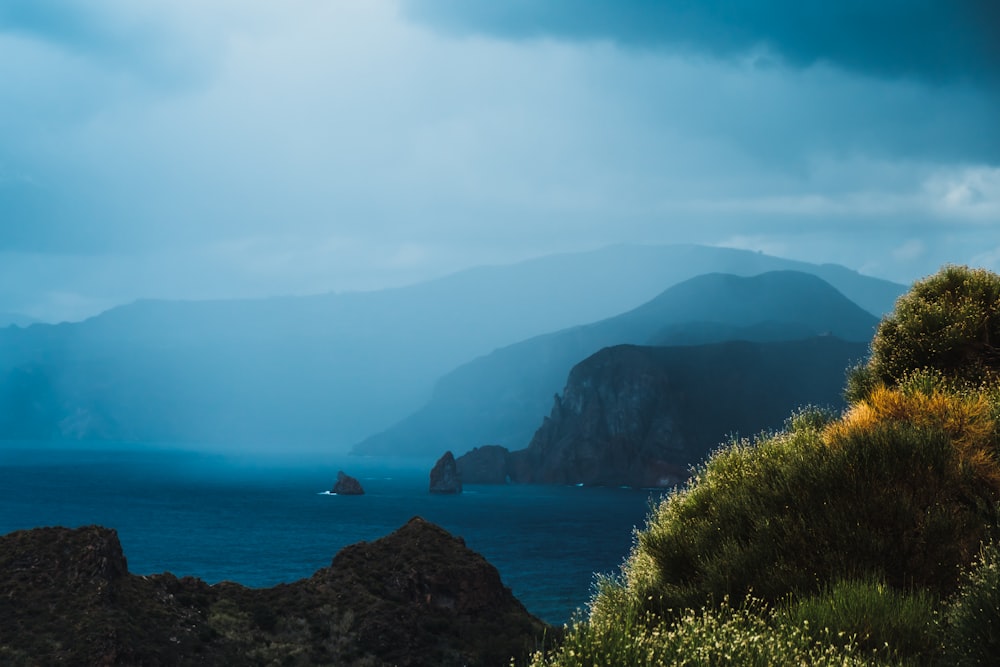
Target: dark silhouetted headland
[415,597]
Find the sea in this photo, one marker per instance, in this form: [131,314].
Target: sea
[262,521]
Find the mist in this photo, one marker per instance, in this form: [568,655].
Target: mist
[178,151]
[281,229]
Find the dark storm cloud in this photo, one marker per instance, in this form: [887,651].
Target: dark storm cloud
[931,40]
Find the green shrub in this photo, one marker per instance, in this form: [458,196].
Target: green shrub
[949,322]
[809,418]
[876,616]
[748,636]
[972,619]
[902,488]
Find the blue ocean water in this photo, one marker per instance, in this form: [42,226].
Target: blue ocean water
[261,522]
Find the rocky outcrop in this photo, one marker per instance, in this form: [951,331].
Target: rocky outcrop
[484,465]
[642,416]
[416,597]
[444,475]
[347,485]
[416,578]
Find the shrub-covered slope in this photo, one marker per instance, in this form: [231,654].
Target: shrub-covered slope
[841,539]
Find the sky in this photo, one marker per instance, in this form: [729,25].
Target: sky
[241,148]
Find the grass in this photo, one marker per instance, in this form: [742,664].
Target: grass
[872,615]
[903,487]
[748,635]
[842,534]
[971,621]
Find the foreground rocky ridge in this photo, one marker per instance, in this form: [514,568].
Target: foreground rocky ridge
[416,597]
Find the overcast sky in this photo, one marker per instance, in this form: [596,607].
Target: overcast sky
[194,149]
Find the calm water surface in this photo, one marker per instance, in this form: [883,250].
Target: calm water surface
[262,523]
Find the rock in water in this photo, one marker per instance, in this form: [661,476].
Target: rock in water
[347,485]
[444,475]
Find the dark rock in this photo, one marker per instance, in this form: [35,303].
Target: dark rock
[430,599]
[416,597]
[641,416]
[444,475]
[484,465]
[347,485]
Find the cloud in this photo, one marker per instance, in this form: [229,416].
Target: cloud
[966,193]
[934,40]
[314,145]
[142,41]
[909,251]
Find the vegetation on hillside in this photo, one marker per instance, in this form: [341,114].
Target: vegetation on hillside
[860,538]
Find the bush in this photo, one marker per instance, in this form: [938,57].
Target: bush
[902,488]
[949,322]
[875,616]
[972,619]
[840,532]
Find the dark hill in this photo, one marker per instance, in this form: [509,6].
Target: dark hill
[327,370]
[641,416]
[415,597]
[501,398]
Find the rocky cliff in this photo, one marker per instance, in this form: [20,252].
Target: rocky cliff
[641,416]
[415,597]
[484,465]
[445,477]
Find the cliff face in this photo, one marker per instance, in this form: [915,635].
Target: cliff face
[445,477]
[484,465]
[615,423]
[640,416]
[415,597]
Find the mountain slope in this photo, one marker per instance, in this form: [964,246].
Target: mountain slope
[501,397]
[324,371]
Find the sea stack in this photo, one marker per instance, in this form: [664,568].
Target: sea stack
[347,485]
[444,475]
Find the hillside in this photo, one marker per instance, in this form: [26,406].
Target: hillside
[325,371]
[501,398]
[867,536]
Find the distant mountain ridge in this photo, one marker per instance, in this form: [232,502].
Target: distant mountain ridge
[500,398]
[16,319]
[325,371]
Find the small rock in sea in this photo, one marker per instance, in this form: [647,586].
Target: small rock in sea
[347,485]
[444,475]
